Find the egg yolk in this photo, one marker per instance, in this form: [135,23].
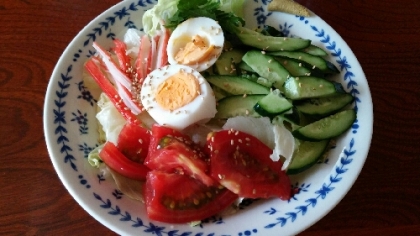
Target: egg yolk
[194,51]
[177,91]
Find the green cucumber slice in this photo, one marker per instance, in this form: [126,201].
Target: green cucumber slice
[243,66]
[273,104]
[266,66]
[227,61]
[219,93]
[326,128]
[238,105]
[306,155]
[315,50]
[270,43]
[237,85]
[321,107]
[299,68]
[316,61]
[297,88]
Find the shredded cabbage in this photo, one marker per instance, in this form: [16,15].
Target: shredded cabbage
[93,157]
[163,10]
[275,136]
[110,119]
[260,128]
[132,39]
[234,6]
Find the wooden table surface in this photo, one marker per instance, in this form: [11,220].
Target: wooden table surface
[383,34]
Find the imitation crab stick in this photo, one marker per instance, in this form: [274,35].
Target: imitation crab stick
[106,86]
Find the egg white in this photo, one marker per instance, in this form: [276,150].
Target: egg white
[204,27]
[202,108]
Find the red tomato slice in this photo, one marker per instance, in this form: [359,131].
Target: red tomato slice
[174,156]
[115,160]
[159,131]
[133,141]
[175,198]
[242,164]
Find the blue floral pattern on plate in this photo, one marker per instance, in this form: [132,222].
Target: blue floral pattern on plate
[72,101]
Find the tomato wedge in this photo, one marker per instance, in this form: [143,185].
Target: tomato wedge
[160,131]
[115,160]
[133,141]
[242,164]
[174,156]
[167,201]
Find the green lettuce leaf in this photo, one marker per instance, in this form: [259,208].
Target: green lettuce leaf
[234,6]
[93,157]
[171,13]
[162,11]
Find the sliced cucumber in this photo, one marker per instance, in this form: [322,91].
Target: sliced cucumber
[297,88]
[226,63]
[315,50]
[317,61]
[237,85]
[259,80]
[293,117]
[273,104]
[321,107]
[263,81]
[270,30]
[243,66]
[307,155]
[270,43]
[267,66]
[219,93]
[299,68]
[326,128]
[238,106]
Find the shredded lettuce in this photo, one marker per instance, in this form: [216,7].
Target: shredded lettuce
[110,119]
[275,135]
[162,11]
[93,157]
[132,39]
[234,6]
[228,13]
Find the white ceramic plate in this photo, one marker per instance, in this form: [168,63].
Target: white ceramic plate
[70,133]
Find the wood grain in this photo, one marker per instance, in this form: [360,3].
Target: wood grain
[383,34]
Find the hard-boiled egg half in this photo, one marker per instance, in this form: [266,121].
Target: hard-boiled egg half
[196,42]
[178,96]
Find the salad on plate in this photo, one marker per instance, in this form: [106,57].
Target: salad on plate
[198,112]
